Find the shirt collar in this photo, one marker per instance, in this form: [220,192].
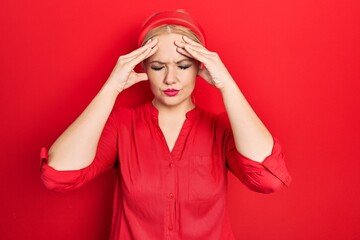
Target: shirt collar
[155,113]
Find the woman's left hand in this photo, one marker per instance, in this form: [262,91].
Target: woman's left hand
[214,71]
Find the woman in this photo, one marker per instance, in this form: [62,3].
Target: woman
[172,157]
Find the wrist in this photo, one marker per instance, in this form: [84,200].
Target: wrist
[110,90]
[228,85]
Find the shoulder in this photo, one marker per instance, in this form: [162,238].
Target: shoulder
[216,120]
[128,114]
[121,113]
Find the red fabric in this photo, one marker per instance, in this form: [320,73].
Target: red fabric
[171,195]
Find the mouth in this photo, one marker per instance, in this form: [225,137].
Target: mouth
[171,92]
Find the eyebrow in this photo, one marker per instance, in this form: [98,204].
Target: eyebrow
[180,61]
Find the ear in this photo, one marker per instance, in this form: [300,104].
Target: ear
[143,66]
[200,66]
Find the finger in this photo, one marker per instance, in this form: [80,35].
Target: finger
[181,48]
[189,40]
[152,52]
[179,44]
[141,57]
[196,54]
[203,73]
[182,51]
[145,54]
[135,52]
[196,46]
[129,57]
[141,77]
[200,49]
[151,43]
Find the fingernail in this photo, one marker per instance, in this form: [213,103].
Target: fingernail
[149,40]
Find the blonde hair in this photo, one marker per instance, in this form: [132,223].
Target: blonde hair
[171,28]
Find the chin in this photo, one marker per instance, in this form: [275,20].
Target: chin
[171,101]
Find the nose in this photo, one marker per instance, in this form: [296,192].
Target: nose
[170,77]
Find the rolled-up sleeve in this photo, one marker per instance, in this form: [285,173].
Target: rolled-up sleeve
[62,181]
[105,158]
[265,177]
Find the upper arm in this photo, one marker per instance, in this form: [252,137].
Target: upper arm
[267,176]
[105,158]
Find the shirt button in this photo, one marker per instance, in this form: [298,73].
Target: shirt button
[171,165]
[171,196]
[170,228]
[287,179]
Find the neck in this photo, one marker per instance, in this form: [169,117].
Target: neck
[174,111]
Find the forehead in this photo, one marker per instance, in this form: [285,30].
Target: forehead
[167,48]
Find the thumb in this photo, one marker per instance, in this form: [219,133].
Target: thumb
[204,73]
[141,77]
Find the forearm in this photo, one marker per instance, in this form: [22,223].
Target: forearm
[252,139]
[76,147]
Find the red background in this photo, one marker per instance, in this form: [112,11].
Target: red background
[296,61]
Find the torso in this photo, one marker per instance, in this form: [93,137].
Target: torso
[171,127]
[175,190]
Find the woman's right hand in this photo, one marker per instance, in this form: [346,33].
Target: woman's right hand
[123,75]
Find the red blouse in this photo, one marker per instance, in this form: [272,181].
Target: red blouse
[171,195]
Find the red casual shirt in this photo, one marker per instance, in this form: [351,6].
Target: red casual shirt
[171,195]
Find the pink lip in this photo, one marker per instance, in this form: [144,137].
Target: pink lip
[171,92]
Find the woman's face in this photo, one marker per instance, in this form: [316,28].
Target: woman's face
[172,75]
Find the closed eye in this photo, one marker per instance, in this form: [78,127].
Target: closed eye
[157,68]
[184,67]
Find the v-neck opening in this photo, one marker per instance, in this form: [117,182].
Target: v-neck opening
[176,140]
[180,141]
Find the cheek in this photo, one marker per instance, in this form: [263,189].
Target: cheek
[155,78]
[151,75]
[189,77]
[154,83]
